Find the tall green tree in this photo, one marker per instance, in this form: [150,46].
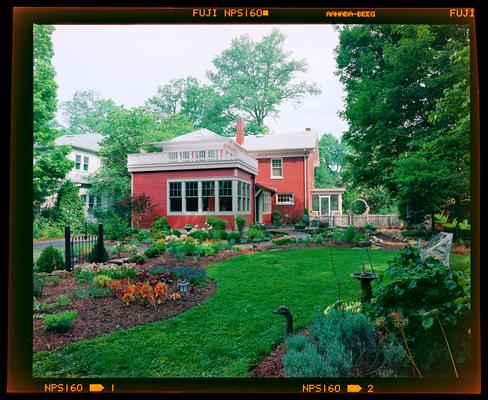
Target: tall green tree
[198,103]
[127,131]
[86,112]
[332,153]
[395,76]
[257,77]
[50,164]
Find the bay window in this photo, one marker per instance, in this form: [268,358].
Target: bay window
[225,195]
[208,196]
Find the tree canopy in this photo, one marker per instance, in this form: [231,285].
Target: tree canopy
[407,106]
[257,77]
[50,163]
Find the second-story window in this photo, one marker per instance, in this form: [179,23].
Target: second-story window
[184,155]
[277,168]
[200,154]
[173,155]
[85,163]
[77,161]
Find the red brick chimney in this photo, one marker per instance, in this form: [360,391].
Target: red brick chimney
[308,129]
[240,131]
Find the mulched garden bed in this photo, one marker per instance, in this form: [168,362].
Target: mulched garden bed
[272,366]
[97,316]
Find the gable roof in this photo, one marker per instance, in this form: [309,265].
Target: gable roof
[280,141]
[87,141]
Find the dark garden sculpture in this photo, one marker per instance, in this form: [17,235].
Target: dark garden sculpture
[289,319]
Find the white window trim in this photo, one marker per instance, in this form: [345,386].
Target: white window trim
[271,176]
[216,211]
[285,203]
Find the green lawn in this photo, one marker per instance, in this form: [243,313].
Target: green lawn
[228,334]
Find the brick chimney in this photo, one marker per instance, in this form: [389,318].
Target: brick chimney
[308,129]
[240,131]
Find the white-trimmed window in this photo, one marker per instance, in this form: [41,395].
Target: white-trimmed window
[200,154]
[175,199]
[243,196]
[285,198]
[276,168]
[85,163]
[77,161]
[266,203]
[208,196]
[191,196]
[225,195]
[173,155]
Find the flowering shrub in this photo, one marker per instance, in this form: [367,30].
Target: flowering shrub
[287,239]
[85,272]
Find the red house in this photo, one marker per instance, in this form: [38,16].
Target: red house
[201,174]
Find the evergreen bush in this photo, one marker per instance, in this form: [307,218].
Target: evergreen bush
[50,260]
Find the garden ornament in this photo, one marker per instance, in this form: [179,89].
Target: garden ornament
[289,319]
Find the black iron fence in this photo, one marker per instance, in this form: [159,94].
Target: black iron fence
[82,247]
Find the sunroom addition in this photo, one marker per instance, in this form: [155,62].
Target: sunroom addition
[326,202]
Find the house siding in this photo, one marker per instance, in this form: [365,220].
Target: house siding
[292,182]
[154,184]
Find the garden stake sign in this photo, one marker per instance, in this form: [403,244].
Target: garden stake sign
[289,319]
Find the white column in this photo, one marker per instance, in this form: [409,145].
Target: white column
[340,203]
[217,208]
[234,195]
[183,198]
[199,196]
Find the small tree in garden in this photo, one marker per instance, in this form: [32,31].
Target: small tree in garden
[69,206]
[240,222]
[141,207]
[50,260]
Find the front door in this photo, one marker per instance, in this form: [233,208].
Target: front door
[324,205]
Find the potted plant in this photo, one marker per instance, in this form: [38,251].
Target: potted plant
[365,278]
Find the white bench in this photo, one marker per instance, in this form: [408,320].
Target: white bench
[439,247]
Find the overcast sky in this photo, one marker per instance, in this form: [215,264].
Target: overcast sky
[127,63]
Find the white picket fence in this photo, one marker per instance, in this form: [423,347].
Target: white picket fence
[377,220]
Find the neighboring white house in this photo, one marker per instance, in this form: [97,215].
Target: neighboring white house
[84,153]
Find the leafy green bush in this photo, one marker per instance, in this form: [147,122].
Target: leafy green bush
[98,255]
[155,250]
[216,223]
[200,235]
[240,222]
[236,236]
[115,227]
[137,258]
[276,217]
[318,239]
[44,228]
[348,234]
[424,293]
[217,234]
[160,224]
[50,260]
[144,236]
[60,322]
[345,345]
[300,225]
[69,206]
[255,233]
[176,232]
[37,284]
